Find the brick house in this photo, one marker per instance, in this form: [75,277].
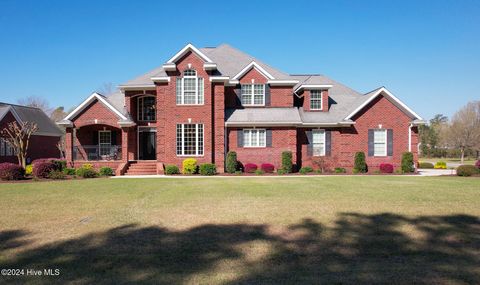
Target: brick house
[205,102]
[43,143]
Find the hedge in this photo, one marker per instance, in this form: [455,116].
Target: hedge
[467,170]
[440,165]
[425,165]
[208,169]
[172,169]
[106,171]
[11,171]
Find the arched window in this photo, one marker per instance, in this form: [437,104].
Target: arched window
[146,108]
[190,88]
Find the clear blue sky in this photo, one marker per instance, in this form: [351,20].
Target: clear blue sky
[425,52]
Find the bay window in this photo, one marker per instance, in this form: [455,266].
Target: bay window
[253,94]
[190,89]
[189,139]
[254,138]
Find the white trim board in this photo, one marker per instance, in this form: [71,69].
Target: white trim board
[393,99]
[90,99]
[184,50]
[14,113]
[247,68]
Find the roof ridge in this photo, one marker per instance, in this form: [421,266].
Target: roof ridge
[18,105]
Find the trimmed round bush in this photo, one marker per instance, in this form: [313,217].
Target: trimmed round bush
[56,174]
[208,169]
[171,170]
[407,162]
[43,169]
[425,165]
[250,167]
[106,171]
[86,171]
[477,164]
[59,164]
[29,169]
[440,165]
[305,170]
[340,170]
[189,166]
[287,164]
[360,165]
[69,171]
[467,170]
[231,162]
[267,167]
[386,168]
[11,171]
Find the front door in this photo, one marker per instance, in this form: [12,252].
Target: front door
[147,144]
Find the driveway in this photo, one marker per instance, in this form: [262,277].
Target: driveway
[436,172]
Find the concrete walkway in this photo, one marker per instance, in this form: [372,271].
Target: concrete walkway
[422,172]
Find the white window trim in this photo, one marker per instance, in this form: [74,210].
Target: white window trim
[139,108]
[258,138]
[324,142]
[386,142]
[197,95]
[252,103]
[321,100]
[196,141]
[100,143]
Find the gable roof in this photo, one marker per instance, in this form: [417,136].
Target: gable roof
[187,48]
[370,96]
[30,114]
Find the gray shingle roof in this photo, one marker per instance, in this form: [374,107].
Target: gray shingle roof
[263,115]
[30,114]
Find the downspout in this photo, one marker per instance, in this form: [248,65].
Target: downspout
[410,137]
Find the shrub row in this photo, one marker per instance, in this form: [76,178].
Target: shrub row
[468,170]
[11,171]
[189,166]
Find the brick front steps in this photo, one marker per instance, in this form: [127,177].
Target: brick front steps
[142,168]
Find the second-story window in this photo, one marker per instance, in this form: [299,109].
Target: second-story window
[190,88]
[146,108]
[253,94]
[316,100]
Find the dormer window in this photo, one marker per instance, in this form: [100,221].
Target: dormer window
[253,94]
[190,88]
[316,100]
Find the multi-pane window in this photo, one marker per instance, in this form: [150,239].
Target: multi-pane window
[253,94]
[315,100]
[104,142]
[254,138]
[190,89]
[146,108]
[318,142]
[6,149]
[190,139]
[380,142]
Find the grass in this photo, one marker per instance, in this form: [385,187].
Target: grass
[369,229]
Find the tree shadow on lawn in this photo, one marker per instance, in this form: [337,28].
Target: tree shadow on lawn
[358,249]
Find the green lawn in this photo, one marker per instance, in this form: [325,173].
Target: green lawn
[468,161]
[354,230]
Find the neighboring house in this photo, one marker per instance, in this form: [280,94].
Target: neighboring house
[205,102]
[43,143]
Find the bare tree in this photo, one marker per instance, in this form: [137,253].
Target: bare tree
[107,88]
[37,102]
[464,129]
[18,136]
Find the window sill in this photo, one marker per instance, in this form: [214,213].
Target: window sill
[254,146]
[185,155]
[190,104]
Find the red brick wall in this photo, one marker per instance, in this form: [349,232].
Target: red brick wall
[282,139]
[39,146]
[96,110]
[347,141]
[170,114]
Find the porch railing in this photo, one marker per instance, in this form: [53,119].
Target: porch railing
[97,152]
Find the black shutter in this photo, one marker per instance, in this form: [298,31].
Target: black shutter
[269,138]
[114,137]
[238,92]
[371,145]
[240,137]
[390,142]
[267,95]
[95,138]
[310,143]
[328,143]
